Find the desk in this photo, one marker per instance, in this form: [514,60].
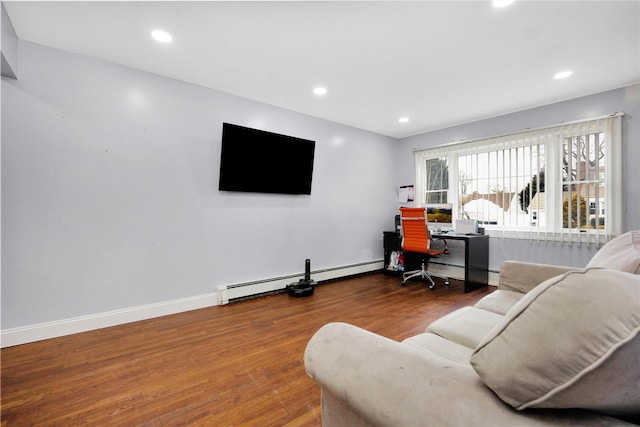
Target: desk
[476,255]
[476,258]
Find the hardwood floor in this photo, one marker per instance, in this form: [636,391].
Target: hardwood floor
[233,365]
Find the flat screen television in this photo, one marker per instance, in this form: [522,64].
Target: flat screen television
[258,161]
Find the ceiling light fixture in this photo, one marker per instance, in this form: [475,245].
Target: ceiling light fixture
[502,3]
[403,119]
[161,36]
[562,75]
[320,91]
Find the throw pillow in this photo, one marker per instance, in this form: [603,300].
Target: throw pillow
[571,342]
[621,253]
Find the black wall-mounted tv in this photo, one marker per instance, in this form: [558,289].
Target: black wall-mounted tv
[258,161]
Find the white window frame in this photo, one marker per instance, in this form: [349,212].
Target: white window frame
[551,138]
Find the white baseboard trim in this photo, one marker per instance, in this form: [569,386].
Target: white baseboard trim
[59,328]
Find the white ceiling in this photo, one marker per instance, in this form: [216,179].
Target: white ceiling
[440,63]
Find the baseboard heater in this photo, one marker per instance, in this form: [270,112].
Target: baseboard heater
[239,291]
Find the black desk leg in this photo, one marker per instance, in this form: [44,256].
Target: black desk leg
[476,259]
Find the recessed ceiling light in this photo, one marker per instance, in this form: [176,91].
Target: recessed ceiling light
[161,36]
[562,75]
[403,119]
[502,3]
[320,91]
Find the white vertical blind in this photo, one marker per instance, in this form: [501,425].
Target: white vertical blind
[560,183]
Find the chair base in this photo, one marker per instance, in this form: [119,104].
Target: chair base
[423,274]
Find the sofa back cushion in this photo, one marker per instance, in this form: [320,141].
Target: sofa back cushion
[572,342]
[621,253]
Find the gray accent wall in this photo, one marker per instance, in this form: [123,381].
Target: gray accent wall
[625,100]
[110,192]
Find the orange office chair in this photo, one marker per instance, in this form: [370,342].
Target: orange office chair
[416,238]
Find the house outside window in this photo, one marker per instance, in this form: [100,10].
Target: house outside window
[561,183]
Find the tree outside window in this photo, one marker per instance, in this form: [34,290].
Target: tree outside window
[437,181]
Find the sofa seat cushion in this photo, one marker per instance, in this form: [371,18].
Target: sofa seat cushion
[499,301]
[466,326]
[572,342]
[621,253]
[435,344]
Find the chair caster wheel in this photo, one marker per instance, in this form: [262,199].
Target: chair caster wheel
[403,284]
[432,287]
[446,283]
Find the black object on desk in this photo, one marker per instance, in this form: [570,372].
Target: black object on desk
[476,255]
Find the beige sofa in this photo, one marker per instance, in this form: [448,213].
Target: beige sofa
[551,346]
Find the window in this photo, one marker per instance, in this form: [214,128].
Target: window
[583,180]
[436,180]
[499,187]
[560,183]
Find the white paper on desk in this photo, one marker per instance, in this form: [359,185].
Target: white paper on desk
[465,226]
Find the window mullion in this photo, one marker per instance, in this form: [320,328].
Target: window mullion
[453,192]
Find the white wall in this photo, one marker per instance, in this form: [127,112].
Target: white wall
[626,100]
[110,200]
[9,49]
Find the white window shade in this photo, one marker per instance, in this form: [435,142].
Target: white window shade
[561,183]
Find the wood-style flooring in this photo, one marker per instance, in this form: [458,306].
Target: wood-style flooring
[234,365]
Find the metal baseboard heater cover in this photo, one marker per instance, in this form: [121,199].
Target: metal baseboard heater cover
[229,293]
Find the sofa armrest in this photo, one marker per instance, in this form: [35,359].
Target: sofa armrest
[523,276]
[387,383]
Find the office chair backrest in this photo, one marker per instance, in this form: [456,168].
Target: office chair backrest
[415,235]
